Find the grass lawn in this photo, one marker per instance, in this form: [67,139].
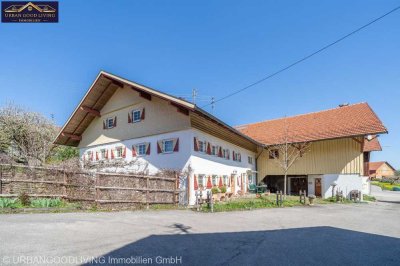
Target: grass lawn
[259,203]
[384,185]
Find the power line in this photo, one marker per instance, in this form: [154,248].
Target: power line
[304,58]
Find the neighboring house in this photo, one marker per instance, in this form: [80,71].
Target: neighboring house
[340,146]
[139,129]
[119,121]
[379,170]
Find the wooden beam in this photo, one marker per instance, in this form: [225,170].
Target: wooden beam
[145,95]
[72,136]
[180,109]
[90,111]
[115,82]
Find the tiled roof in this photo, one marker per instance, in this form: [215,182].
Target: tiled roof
[372,145]
[373,166]
[346,121]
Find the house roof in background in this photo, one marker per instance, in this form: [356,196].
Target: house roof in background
[345,121]
[373,166]
[372,145]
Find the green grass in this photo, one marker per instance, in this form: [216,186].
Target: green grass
[10,203]
[15,203]
[368,198]
[47,203]
[384,185]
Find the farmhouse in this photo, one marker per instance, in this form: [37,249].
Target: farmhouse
[120,125]
[380,170]
[340,141]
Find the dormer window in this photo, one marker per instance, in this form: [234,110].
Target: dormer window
[136,116]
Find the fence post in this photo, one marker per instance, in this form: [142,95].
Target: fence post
[175,189]
[65,184]
[147,192]
[1,179]
[96,184]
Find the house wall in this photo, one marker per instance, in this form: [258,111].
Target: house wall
[384,171]
[340,156]
[160,117]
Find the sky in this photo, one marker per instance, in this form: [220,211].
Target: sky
[215,47]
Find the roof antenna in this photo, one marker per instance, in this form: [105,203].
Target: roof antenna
[194,95]
[212,104]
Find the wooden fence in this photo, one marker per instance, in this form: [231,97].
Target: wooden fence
[120,190]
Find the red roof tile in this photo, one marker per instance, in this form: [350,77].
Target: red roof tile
[372,145]
[352,120]
[373,166]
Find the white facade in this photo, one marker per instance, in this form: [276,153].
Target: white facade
[200,163]
[345,183]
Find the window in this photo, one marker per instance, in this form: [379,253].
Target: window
[202,146]
[141,149]
[250,159]
[237,157]
[214,180]
[136,116]
[273,154]
[89,155]
[168,146]
[226,180]
[226,153]
[110,122]
[214,150]
[118,152]
[201,180]
[103,154]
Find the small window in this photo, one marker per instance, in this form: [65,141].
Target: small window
[214,150]
[141,149]
[136,116]
[202,146]
[226,180]
[103,154]
[226,153]
[214,180]
[250,159]
[118,152]
[201,180]
[168,146]
[274,154]
[110,122]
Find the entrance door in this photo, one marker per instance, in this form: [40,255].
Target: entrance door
[233,184]
[318,187]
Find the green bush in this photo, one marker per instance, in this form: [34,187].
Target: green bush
[215,190]
[8,203]
[223,189]
[46,203]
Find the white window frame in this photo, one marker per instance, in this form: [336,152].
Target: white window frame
[250,159]
[108,122]
[200,180]
[133,115]
[202,148]
[163,145]
[101,154]
[214,177]
[116,151]
[226,153]
[214,150]
[137,147]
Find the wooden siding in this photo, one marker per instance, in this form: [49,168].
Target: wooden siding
[339,156]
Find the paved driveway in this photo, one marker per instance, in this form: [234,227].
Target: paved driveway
[358,234]
[385,195]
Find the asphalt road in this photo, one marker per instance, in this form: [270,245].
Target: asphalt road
[356,234]
[385,195]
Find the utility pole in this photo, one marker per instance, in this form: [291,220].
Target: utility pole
[194,95]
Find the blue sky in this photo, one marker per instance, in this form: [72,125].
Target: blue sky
[215,47]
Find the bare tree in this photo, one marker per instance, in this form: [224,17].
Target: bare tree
[26,136]
[286,153]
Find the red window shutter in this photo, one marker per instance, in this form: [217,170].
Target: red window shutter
[176,148]
[91,156]
[220,152]
[115,121]
[107,154]
[209,184]
[159,150]
[129,118]
[112,153]
[208,148]
[233,155]
[196,186]
[133,151]
[97,156]
[196,146]
[104,124]
[220,182]
[124,153]
[143,114]
[148,149]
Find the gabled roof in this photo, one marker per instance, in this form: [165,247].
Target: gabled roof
[346,121]
[373,166]
[372,145]
[101,91]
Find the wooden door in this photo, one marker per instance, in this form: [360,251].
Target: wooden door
[318,187]
[233,184]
